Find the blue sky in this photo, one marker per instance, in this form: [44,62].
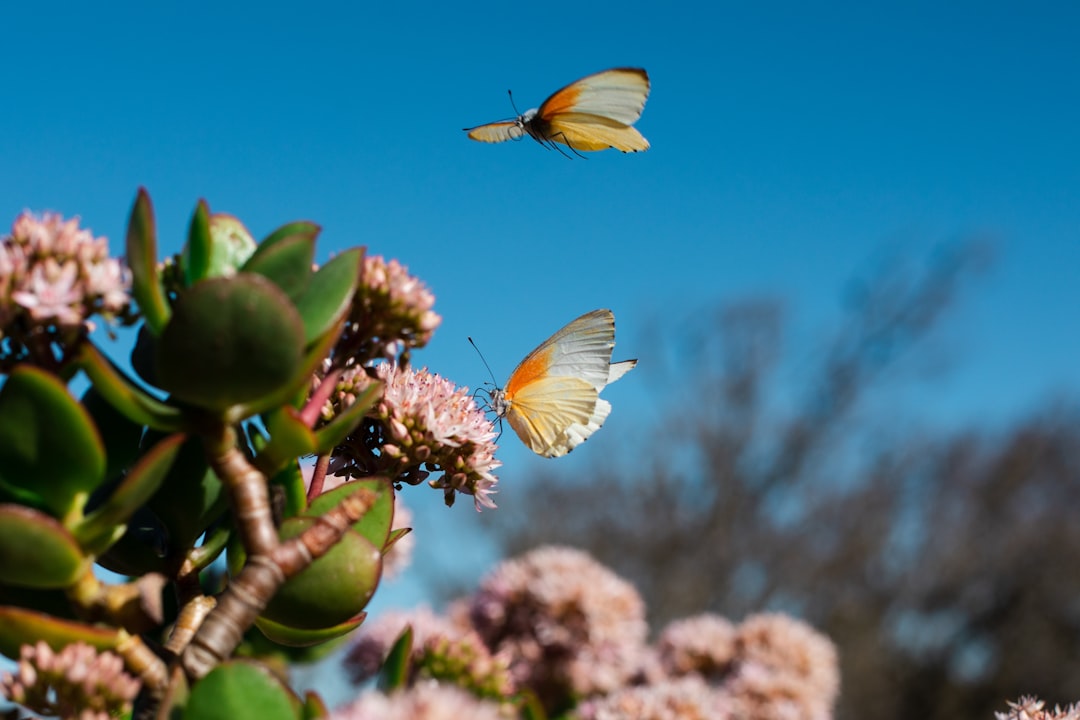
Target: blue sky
[793,146]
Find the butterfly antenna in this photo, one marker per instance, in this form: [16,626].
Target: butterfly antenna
[511,94]
[484,360]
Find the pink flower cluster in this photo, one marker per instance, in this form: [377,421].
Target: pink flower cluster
[442,649]
[54,274]
[423,424]
[574,634]
[571,627]
[391,313]
[426,701]
[77,682]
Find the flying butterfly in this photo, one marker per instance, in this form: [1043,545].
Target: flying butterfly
[594,113]
[552,399]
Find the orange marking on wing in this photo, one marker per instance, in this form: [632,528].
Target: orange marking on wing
[531,369]
[562,101]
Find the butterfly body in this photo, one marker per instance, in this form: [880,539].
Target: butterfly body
[593,113]
[552,399]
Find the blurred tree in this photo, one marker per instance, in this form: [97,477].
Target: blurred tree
[946,568]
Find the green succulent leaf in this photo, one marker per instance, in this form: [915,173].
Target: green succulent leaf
[314,707]
[125,396]
[333,589]
[231,341]
[190,498]
[19,626]
[290,437]
[376,522]
[49,447]
[196,255]
[119,434]
[107,522]
[141,549]
[36,551]
[393,537]
[291,481]
[330,294]
[299,637]
[287,261]
[146,285]
[396,668]
[294,392]
[55,602]
[241,689]
[531,707]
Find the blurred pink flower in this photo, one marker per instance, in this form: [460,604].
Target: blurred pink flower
[783,668]
[77,682]
[686,698]
[571,627]
[426,701]
[703,645]
[54,277]
[441,649]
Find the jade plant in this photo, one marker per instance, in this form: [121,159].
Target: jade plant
[181,470]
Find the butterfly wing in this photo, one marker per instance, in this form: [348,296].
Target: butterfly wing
[618,95]
[585,132]
[596,112]
[552,396]
[581,349]
[496,132]
[541,412]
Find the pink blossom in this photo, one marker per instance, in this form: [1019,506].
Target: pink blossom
[570,626]
[53,277]
[426,701]
[77,681]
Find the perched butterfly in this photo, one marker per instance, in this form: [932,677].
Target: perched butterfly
[594,113]
[552,399]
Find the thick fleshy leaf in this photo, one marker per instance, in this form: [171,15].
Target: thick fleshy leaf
[232,246]
[99,529]
[330,293]
[53,602]
[294,392]
[290,437]
[291,481]
[196,255]
[376,522]
[287,261]
[314,707]
[49,446]
[334,432]
[530,706]
[146,285]
[125,396]
[190,498]
[119,434]
[396,669]
[19,626]
[393,537]
[297,637]
[333,589]
[141,549]
[36,551]
[230,341]
[241,689]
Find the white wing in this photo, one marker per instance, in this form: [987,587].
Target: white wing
[617,94]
